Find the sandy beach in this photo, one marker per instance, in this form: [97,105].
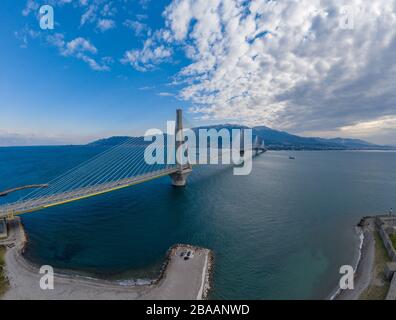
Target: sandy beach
[179,279]
[364,270]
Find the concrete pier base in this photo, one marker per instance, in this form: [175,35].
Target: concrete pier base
[179,179]
[181,278]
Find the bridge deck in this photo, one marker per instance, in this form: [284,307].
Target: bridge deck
[30,205]
[43,201]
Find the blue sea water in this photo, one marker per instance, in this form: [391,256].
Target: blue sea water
[280,233]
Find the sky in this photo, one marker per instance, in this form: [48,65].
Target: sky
[310,67]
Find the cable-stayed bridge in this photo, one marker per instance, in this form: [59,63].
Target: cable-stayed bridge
[119,167]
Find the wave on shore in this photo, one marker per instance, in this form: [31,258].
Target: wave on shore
[360,233]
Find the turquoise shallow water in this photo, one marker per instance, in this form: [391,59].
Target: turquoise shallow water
[281,232]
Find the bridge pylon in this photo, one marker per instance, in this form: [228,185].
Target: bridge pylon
[179,178]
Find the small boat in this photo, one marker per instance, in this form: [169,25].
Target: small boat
[292,158]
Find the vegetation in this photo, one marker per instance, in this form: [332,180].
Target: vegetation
[393,238]
[379,286]
[3,280]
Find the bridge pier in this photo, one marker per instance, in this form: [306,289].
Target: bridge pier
[179,178]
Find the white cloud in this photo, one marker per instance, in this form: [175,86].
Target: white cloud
[138,27]
[94,64]
[287,64]
[89,15]
[78,45]
[381,130]
[105,24]
[144,3]
[147,58]
[79,48]
[30,6]
[108,10]
[99,13]
[146,88]
[372,126]
[34,5]
[165,94]
[141,16]
[24,35]
[38,138]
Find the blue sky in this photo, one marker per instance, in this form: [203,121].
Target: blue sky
[45,94]
[120,67]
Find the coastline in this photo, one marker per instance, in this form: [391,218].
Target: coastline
[178,279]
[337,291]
[19,270]
[365,263]
[3,280]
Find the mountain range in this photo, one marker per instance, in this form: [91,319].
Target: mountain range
[279,140]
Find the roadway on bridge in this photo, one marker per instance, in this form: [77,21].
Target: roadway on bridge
[57,199]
